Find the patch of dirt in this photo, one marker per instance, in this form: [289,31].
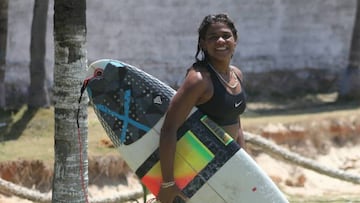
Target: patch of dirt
[103,170]
[331,140]
[28,173]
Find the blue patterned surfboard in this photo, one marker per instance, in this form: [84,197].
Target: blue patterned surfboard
[209,165]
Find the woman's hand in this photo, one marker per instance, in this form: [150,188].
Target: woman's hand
[167,195]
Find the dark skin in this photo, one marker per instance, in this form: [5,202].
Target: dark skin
[197,88]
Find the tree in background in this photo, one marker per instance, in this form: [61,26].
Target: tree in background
[4,4]
[71,163]
[350,82]
[38,93]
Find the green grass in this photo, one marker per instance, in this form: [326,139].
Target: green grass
[33,137]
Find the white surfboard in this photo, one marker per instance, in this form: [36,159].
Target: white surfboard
[210,167]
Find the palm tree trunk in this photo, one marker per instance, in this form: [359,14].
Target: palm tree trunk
[350,80]
[4,4]
[38,94]
[71,166]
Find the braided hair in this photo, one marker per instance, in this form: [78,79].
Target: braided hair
[204,26]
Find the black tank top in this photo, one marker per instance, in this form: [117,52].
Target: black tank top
[223,108]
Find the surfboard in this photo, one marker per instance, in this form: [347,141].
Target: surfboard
[209,165]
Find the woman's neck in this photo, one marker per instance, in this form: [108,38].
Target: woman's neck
[220,66]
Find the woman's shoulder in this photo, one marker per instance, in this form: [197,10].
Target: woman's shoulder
[197,83]
[198,69]
[197,75]
[199,66]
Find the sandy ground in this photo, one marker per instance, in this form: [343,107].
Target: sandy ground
[305,183]
[315,184]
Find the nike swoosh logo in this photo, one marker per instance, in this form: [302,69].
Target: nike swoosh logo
[238,104]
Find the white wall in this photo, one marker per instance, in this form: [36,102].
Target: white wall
[160,36]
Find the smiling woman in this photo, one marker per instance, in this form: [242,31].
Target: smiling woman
[213,85]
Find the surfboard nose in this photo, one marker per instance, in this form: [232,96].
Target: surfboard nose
[104,76]
[95,66]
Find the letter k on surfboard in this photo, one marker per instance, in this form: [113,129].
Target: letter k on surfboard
[237,104]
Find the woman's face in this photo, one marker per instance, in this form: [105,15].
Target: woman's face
[219,42]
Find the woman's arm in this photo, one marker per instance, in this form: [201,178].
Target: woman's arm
[180,106]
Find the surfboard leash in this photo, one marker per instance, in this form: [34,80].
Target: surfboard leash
[81,170]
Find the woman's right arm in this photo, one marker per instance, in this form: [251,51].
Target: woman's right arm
[180,106]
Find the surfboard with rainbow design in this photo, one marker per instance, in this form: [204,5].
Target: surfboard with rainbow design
[209,165]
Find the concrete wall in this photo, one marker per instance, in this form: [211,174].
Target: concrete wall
[160,36]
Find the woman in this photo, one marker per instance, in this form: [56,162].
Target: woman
[212,85]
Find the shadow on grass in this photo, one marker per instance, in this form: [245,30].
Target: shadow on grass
[13,128]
